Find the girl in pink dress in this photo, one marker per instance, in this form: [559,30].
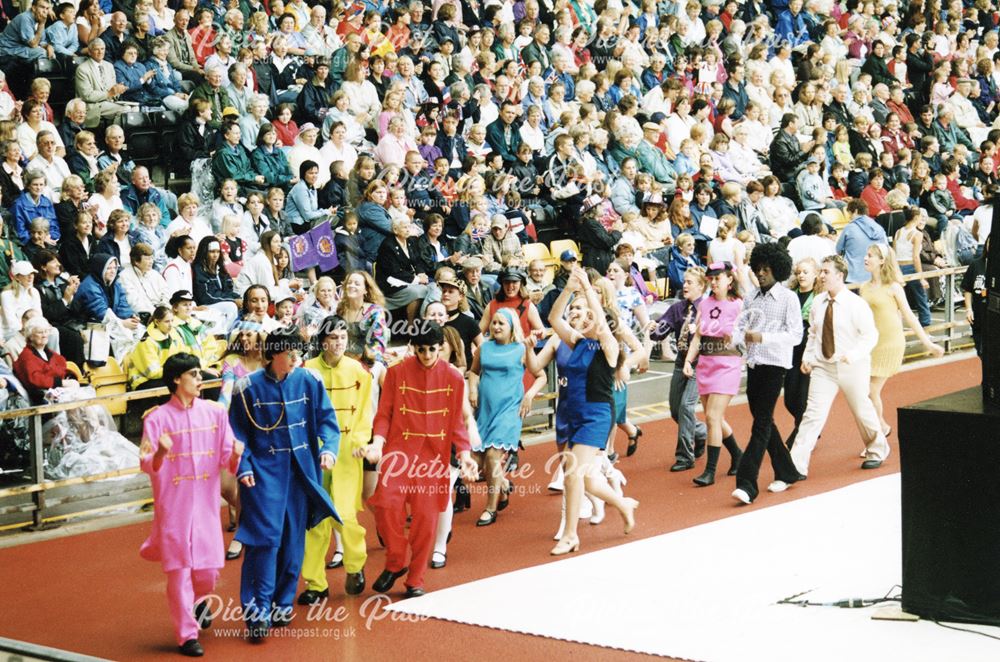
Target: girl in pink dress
[720,365]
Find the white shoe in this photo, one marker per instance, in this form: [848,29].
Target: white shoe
[557,481]
[598,515]
[744,498]
[562,525]
[776,486]
[617,479]
[586,507]
[562,521]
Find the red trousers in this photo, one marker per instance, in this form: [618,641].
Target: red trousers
[391,521]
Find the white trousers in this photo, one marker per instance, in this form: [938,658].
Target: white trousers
[828,378]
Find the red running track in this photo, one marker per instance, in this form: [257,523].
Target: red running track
[92,593]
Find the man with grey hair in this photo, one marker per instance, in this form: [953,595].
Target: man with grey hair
[880,99]
[732,45]
[838,106]
[213,92]
[966,116]
[141,191]
[182,56]
[114,37]
[96,85]
[318,35]
[73,119]
[416,94]
[560,74]
[49,163]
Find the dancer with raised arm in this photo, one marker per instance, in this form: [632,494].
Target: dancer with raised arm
[586,356]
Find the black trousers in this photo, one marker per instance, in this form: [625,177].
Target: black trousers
[764,384]
[796,389]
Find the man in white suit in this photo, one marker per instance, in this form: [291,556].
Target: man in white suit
[838,356]
[96,85]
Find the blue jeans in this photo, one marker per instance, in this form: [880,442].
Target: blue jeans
[917,295]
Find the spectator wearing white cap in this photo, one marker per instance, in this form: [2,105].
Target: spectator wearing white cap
[19,296]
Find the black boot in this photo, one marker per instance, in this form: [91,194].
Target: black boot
[734,452]
[463,499]
[708,476]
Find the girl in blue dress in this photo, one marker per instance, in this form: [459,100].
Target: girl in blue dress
[496,389]
[586,354]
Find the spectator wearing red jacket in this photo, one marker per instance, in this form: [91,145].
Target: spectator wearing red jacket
[38,368]
[874,194]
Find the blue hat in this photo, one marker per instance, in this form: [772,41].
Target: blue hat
[568,256]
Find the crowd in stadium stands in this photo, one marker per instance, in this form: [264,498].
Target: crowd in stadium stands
[176,175]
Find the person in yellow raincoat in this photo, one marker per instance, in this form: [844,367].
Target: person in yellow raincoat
[349,386]
[162,340]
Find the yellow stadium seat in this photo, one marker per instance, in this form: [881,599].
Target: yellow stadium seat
[74,370]
[110,379]
[835,217]
[557,247]
[538,252]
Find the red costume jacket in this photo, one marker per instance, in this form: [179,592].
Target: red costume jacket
[420,417]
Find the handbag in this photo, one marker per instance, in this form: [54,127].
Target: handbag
[96,344]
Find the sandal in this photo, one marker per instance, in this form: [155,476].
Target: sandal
[633,442]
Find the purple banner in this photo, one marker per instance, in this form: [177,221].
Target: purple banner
[324,246]
[303,252]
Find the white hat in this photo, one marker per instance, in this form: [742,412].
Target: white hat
[22,268]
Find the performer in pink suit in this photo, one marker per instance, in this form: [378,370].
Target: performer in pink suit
[186,443]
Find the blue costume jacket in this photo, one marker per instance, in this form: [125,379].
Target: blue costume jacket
[306,428]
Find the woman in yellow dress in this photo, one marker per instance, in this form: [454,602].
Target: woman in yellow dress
[884,293]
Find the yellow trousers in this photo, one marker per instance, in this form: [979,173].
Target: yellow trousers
[344,483]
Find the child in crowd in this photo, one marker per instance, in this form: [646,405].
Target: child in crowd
[443,181]
[348,242]
[233,248]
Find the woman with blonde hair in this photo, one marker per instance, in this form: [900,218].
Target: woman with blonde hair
[884,293]
[805,284]
[321,303]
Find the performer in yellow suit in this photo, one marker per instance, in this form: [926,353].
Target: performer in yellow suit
[349,386]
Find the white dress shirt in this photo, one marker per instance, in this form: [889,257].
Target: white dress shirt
[854,332]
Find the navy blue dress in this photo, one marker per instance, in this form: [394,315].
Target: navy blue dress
[586,411]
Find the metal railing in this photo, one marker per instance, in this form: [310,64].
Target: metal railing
[952,341]
[38,485]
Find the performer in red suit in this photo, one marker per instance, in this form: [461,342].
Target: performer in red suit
[419,419]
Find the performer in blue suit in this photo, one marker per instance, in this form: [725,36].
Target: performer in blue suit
[285,418]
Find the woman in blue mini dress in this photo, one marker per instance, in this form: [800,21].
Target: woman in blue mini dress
[586,355]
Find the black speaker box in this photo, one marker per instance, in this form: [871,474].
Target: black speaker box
[991,326]
[950,476]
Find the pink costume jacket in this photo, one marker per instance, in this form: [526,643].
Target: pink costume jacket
[187,532]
